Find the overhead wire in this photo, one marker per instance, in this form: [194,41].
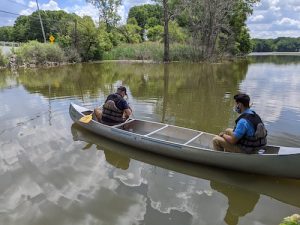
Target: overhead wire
[36,18]
[18,3]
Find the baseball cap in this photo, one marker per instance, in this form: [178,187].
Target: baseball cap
[122,88]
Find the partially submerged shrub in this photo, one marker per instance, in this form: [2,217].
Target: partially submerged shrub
[38,53]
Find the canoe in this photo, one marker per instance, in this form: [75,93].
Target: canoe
[192,145]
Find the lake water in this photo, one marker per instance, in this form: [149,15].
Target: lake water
[53,172]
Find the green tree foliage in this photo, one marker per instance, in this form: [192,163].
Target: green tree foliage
[131,33]
[6,33]
[146,16]
[281,44]
[88,39]
[176,33]
[155,33]
[71,32]
[55,22]
[104,38]
[108,11]
[263,45]
[239,31]
[217,27]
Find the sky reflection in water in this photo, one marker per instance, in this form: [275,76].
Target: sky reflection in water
[53,172]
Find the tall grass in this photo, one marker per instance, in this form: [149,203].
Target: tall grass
[152,51]
[3,59]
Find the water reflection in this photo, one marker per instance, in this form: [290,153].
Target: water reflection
[169,191]
[275,90]
[47,178]
[240,201]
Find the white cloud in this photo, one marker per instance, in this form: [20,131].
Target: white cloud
[51,5]
[288,22]
[85,10]
[256,18]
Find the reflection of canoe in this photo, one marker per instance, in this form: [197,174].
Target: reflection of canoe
[192,145]
[282,189]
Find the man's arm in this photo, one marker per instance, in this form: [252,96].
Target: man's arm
[240,131]
[230,139]
[127,112]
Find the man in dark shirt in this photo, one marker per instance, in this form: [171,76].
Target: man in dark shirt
[115,109]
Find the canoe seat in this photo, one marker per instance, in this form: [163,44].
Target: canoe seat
[141,127]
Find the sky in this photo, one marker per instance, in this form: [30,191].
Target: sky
[270,18]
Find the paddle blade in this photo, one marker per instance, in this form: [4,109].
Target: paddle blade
[86,119]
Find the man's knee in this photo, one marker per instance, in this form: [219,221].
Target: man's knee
[217,143]
[98,113]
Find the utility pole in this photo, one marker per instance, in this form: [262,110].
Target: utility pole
[37,5]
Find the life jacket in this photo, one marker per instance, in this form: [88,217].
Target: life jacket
[251,144]
[111,114]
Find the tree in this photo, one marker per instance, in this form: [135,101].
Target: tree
[6,33]
[146,16]
[88,39]
[108,11]
[217,26]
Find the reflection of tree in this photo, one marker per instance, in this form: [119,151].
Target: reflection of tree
[184,93]
[166,87]
[275,59]
[5,76]
[240,201]
[196,91]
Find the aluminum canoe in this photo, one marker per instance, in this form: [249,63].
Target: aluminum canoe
[192,145]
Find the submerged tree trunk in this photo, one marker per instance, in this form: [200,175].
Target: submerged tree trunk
[166,32]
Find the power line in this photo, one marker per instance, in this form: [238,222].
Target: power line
[18,3]
[11,13]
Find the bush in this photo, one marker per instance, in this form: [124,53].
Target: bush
[291,220]
[72,55]
[38,53]
[3,59]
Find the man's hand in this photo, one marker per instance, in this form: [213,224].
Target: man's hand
[221,134]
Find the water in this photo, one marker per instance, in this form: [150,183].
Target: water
[54,172]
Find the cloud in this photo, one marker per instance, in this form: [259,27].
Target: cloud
[256,18]
[51,5]
[274,18]
[84,10]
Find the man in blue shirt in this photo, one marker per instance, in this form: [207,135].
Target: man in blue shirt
[243,138]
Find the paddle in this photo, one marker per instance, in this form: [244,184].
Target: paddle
[86,118]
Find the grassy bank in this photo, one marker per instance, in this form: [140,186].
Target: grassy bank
[152,51]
